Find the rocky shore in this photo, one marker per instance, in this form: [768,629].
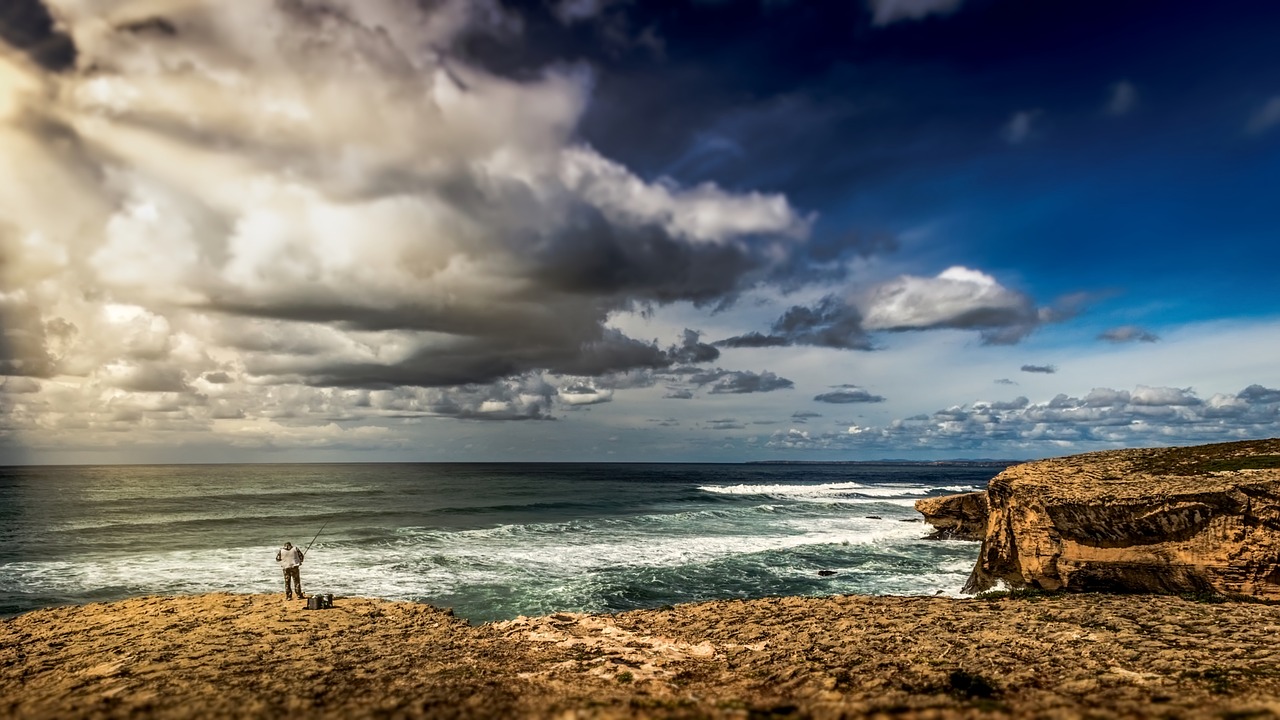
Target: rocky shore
[1064,656]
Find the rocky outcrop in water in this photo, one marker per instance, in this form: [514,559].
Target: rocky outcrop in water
[956,517]
[1200,519]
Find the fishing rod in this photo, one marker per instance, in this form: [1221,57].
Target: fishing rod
[313,540]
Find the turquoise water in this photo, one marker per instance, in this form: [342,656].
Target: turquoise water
[491,541]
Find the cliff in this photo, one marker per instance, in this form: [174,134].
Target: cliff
[958,517]
[1202,519]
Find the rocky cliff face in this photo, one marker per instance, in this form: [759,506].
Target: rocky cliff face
[958,517]
[1176,520]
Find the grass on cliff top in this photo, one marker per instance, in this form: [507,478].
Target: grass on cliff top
[1204,459]
[1257,462]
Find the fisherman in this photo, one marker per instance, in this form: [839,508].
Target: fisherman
[290,559]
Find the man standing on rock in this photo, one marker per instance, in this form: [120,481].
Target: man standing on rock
[290,559]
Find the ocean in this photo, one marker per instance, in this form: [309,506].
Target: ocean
[491,541]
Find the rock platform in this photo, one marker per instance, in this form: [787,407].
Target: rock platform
[256,656]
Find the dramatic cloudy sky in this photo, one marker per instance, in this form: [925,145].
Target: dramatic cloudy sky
[279,230]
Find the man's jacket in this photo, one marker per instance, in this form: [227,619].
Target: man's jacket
[290,557]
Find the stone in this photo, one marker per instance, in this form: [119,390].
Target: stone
[1202,519]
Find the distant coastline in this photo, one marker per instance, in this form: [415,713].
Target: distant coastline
[981,462]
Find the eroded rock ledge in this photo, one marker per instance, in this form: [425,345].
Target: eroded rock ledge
[958,517]
[1171,520]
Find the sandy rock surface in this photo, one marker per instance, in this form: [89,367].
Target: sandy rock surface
[1066,656]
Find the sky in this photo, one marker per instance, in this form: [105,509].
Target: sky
[631,230]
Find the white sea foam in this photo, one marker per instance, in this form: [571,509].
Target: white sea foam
[436,563]
[748,539]
[848,492]
[786,491]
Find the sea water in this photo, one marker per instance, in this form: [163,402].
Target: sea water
[492,541]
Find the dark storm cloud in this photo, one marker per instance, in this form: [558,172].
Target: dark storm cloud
[831,323]
[1004,381]
[1128,333]
[753,340]
[692,351]
[28,26]
[418,261]
[395,251]
[611,352]
[679,394]
[725,424]
[593,257]
[467,362]
[527,398]
[848,394]
[1046,369]
[578,273]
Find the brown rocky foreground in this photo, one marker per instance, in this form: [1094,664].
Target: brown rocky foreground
[1065,656]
